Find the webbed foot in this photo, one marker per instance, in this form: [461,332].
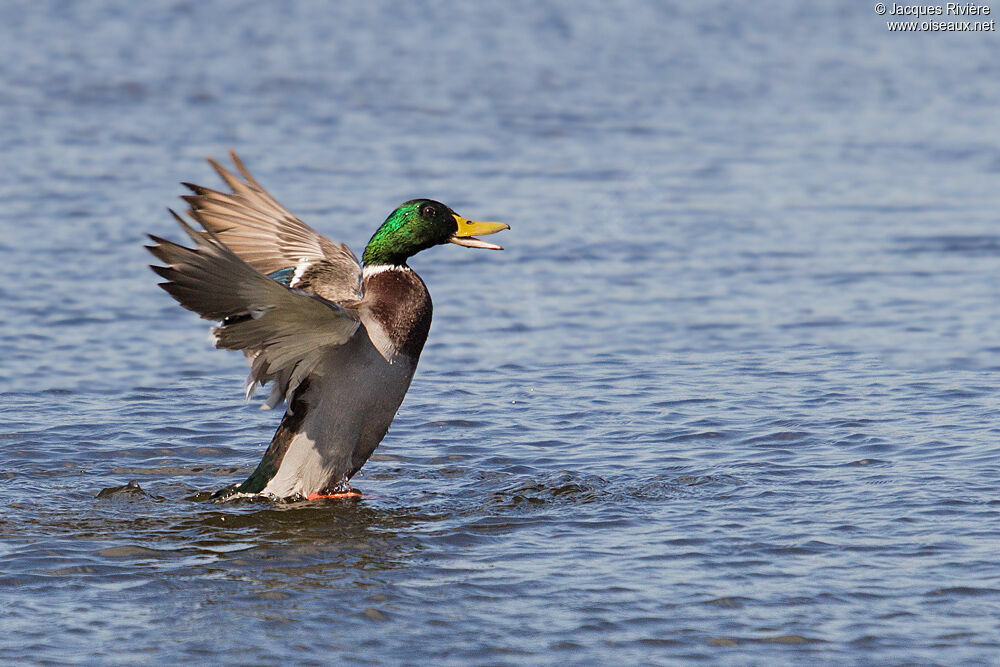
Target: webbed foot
[340,490]
[343,494]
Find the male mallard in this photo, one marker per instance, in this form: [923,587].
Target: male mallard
[338,342]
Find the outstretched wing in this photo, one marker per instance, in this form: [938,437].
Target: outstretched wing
[258,229]
[284,331]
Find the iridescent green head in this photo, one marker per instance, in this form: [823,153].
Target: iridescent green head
[419,224]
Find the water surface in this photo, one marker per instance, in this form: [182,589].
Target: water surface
[729,394]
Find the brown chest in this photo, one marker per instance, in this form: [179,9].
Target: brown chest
[399,301]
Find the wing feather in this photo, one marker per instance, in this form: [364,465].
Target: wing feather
[285,332]
[268,237]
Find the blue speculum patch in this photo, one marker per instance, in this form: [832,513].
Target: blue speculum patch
[283,276]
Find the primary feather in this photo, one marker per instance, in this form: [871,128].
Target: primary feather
[258,229]
[283,331]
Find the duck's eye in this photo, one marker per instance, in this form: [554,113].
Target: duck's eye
[428,211]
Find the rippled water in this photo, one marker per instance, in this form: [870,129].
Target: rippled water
[730,393]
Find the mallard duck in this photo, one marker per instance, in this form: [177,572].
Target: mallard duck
[337,339]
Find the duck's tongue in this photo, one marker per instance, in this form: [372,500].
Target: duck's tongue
[473,242]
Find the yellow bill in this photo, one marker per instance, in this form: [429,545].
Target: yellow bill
[468,229]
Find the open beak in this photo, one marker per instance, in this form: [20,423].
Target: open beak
[467,230]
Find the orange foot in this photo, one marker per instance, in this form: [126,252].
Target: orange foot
[345,494]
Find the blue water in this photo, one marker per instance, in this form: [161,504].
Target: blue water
[730,393]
